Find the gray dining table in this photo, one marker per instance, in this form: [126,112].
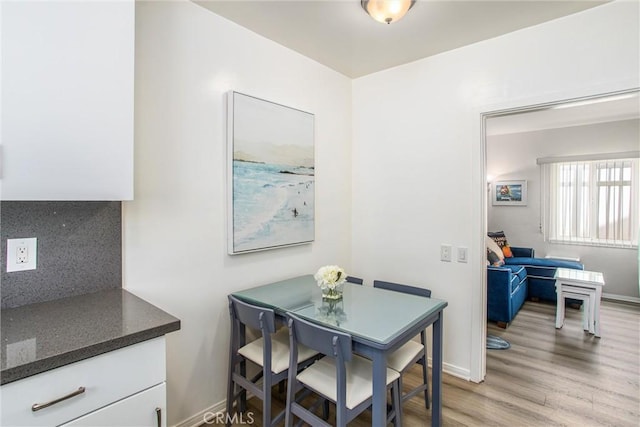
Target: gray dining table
[379,321]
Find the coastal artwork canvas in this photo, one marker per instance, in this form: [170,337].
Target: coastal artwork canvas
[510,193]
[271,174]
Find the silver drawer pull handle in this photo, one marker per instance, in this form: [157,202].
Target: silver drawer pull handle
[37,406]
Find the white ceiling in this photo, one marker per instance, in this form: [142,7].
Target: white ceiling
[340,35]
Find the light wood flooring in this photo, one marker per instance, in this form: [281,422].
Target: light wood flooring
[548,377]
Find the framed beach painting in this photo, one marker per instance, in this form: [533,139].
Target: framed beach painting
[510,193]
[271,175]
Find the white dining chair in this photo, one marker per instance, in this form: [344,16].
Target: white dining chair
[412,352]
[270,352]
[340,377]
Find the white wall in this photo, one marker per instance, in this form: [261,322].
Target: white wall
[513,156]
[187,58]
[418,173]
[416,168]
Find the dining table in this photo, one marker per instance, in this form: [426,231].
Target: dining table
[379,321]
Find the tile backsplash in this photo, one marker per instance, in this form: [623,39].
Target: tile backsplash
[79,249]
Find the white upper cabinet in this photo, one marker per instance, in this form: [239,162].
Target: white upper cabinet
[67,100]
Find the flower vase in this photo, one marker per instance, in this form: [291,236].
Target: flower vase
[332,294]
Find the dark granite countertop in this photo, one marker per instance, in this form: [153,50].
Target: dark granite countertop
[43,336]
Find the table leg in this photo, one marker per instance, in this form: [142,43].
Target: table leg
[379,399]
[592,300]
[559,306]
[596,312]
[436,372]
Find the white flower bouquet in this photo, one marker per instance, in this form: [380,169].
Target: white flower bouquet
[330,279]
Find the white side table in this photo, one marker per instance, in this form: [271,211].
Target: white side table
[587,307]
[584,285]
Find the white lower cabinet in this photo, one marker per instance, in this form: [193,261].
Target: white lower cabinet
[145,409]
[118,388]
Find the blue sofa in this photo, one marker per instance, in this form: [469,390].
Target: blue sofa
[521,277]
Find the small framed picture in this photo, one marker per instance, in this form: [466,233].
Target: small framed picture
[509,193]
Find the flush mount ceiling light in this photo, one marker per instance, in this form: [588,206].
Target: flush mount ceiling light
[387,11]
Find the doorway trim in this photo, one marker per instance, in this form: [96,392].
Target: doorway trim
[478,363]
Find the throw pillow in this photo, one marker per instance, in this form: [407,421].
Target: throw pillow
[500,238]
[494,254]
[506,250]
[492,258]
[493,247]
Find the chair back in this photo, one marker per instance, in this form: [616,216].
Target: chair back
[413,290]
[327,341]
[254,316]
[245,315]
[354,280]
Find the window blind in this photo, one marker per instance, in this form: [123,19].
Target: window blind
[590,202]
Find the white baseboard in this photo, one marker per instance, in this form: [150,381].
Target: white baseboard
[456,371]
[621,298]
[453,370]
[199,418]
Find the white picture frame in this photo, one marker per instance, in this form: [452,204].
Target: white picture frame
[509,193]
[270,175]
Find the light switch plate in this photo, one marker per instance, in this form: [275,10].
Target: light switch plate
[462,254]
[22,254]
[445,253]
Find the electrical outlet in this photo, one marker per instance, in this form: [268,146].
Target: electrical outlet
[445,253]
[22,254]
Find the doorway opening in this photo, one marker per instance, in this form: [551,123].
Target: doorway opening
[511,144]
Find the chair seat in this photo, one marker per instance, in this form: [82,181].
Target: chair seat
[402,357]
[321,377]
[279,351]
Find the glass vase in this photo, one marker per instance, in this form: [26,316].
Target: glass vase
[332,294]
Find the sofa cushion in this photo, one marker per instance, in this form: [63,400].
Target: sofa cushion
[540,273]
[544,262]
[522,252]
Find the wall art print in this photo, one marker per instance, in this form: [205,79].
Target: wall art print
[510,193]
[271,175]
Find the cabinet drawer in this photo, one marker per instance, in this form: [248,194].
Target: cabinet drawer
[106,378]
[138,410]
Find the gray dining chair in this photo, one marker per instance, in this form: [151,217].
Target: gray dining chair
[410,353]
[354,280]
[340,377]
[270,352]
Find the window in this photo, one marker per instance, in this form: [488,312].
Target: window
[592,202]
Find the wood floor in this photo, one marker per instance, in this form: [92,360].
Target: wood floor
[548,377]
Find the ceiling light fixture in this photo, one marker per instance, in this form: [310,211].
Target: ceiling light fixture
[387,11]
